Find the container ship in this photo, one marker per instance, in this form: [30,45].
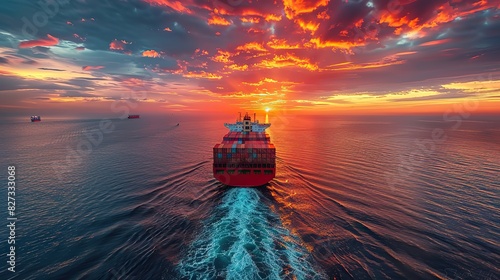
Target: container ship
[133,116]
[36,119]
[246,157]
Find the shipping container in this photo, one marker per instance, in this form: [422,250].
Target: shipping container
[248,158]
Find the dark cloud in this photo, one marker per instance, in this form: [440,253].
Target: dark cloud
[51,69]
[82,83]
[32,53]
[30,62]
[15,82]
[75,93]
[41,49]
[157,62]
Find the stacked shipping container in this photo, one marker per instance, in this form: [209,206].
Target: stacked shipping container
[244,159]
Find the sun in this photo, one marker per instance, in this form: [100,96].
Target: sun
[267,110]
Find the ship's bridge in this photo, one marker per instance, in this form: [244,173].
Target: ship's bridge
[246,125]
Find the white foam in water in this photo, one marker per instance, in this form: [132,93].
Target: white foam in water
[246,240]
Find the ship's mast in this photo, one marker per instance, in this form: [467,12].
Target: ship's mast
[247,126]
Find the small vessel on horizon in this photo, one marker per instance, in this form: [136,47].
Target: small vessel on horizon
[133,116]
[246,157]
[36,119]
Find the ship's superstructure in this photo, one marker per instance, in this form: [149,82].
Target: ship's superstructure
[246,125]
[245,157]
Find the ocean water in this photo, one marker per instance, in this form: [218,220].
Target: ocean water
[354,198]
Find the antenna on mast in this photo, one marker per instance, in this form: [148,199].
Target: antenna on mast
[240,117]
[254,117]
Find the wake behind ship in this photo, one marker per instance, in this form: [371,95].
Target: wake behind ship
[246,157]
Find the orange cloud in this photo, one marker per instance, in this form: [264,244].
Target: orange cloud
[90,68]
[443,14]
[308,25]
[217,20]
[435,42]
[297,7]
[200,52]
[446,13]
[167,29]
[359,23]
[255,31]
[288,60]
[237,67]
[252,46]
[202,75]
[404,53]
[389,61]
[118,45]
[272,17]
[49,41]
[394,21]
[174,5]
[150,53]
[222,56]
[281,44]
[250,19]
[261,82]
[346,45]
[242,11]
[323,15]
[134,83]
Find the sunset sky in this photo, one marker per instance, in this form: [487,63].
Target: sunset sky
[319,56]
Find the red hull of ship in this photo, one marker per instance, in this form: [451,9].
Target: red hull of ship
[243,180]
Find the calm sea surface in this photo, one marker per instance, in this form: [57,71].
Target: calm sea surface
[354,198]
